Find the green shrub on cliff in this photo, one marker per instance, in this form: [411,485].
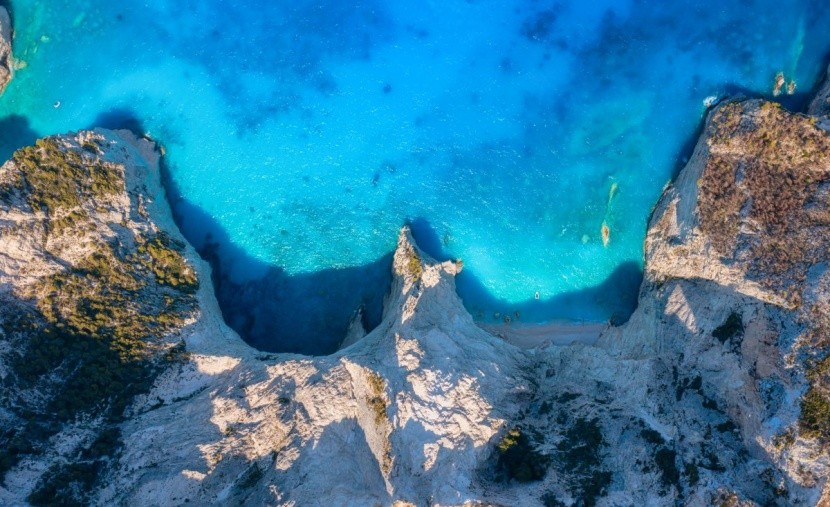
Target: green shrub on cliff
[376,401]
[763,166]
[413,265]
[93,335]
[814,421]
[665,459]
[519,459]
[732,327]
[168,264]
[580,455]
[815,415]
[56,178]
[63,482]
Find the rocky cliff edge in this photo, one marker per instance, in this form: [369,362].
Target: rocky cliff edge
[715,391]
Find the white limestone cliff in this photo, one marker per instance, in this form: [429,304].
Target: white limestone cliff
[696,400]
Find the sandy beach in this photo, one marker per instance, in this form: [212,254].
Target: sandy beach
[528,336]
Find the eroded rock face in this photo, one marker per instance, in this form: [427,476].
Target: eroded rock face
[715,391]
[6,61]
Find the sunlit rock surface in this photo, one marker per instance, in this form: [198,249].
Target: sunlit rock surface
[714,391]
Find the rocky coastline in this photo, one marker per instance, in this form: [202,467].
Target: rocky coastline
[121,385]
[6,59]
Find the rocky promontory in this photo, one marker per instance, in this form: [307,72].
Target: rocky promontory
[121,385]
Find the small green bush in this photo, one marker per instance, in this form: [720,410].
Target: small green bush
[413,265]
[814,421]
[376,401]
[251,477]
[815,415]
[692,474]
[519,459]
[164,258]
[651,436]
[732,327]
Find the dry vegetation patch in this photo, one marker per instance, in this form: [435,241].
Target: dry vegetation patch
[759,196]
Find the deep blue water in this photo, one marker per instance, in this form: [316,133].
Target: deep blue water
[301,135]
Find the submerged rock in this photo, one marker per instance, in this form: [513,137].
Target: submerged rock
[716,390]
[780,81]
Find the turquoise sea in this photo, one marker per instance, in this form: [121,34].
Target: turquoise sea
[300,135]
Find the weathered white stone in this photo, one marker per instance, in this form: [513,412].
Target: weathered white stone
[411,412]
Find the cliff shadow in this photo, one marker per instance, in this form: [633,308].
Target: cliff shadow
[309,313]
[120,119]
[796,102]
[614,300]
[276,311]
[820,78]
[272,310]
[15,133]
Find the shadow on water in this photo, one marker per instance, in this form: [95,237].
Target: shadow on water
[615,299]
[309,313]
[270,309]
[275,311]
[15,133]
[118,119]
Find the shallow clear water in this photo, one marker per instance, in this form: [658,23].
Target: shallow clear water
[301,135]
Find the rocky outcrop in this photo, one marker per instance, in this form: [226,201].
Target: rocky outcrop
[6,60]
[407,413]
[715,391]
[733,308]
[94,294]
